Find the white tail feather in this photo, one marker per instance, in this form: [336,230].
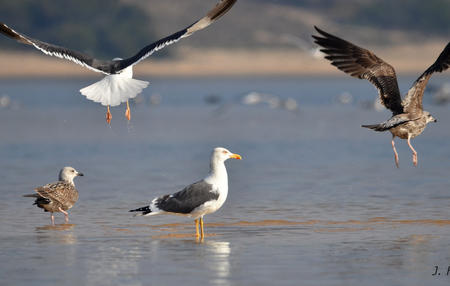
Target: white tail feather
[114,89]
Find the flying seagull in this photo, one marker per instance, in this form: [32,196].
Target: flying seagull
[118,85]
[59,196]
[198,199]
[408,117]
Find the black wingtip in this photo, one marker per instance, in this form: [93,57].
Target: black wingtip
[144,210]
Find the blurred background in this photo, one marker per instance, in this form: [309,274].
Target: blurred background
[259,37]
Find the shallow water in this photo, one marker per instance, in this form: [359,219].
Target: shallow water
[317,199]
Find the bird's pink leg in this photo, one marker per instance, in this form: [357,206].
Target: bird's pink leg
[66,215]
[52,217]
[395,151]
[414,152]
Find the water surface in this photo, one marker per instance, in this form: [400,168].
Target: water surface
[317,199]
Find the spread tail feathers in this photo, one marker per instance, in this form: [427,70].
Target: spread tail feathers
[114,89]
[143,211]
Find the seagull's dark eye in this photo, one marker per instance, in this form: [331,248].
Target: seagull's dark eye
[73,171]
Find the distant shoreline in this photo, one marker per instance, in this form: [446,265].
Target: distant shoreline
[220,62]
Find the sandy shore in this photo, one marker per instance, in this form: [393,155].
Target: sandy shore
[220,62]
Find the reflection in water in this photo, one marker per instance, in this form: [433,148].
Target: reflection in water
[219,262]
[189,257]
[59,234]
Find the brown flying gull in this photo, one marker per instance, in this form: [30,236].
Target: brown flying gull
[408,117]
[198,199]
[118,86]
[59,196]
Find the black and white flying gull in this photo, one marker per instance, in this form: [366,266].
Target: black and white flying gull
[198,199]
[408,117]
[59,196]
[117,86]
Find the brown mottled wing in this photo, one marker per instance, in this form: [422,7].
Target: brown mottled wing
[363,64]
[413,101]
[60,192]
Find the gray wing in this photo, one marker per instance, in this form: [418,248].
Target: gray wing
[413,101]
[188,199]
[363,64]
[115,66]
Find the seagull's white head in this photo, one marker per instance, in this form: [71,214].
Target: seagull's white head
[428,117]
[221,155]
[67,174]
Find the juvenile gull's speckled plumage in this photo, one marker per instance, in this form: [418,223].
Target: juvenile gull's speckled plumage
[117,86]
[198,199]
[408,117]
[59,196]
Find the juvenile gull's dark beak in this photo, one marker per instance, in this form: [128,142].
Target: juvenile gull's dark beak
[80,174]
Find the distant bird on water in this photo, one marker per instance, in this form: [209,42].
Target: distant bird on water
[117,86]
[198,199]
[408,117]
[59,196]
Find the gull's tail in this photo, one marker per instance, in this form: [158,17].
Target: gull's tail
[143,211]
[114,89]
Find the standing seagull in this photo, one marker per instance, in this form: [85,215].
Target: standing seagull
[200,198]
[117,86]
[59,196]
[408,117]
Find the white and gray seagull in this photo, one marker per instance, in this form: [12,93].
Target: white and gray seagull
[117,86]
[408,117]
[198,199]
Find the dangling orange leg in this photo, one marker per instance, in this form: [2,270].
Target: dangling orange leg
[128,112]
[108,115]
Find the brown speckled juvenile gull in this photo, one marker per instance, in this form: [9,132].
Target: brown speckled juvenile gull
[59,196]
[408,117]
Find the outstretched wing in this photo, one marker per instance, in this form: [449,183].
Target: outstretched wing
[57,51]
[188,199]
[413,101]
[220,9]
[115,66]
[363,64]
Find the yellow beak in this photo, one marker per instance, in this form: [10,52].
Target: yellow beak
[236,156]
